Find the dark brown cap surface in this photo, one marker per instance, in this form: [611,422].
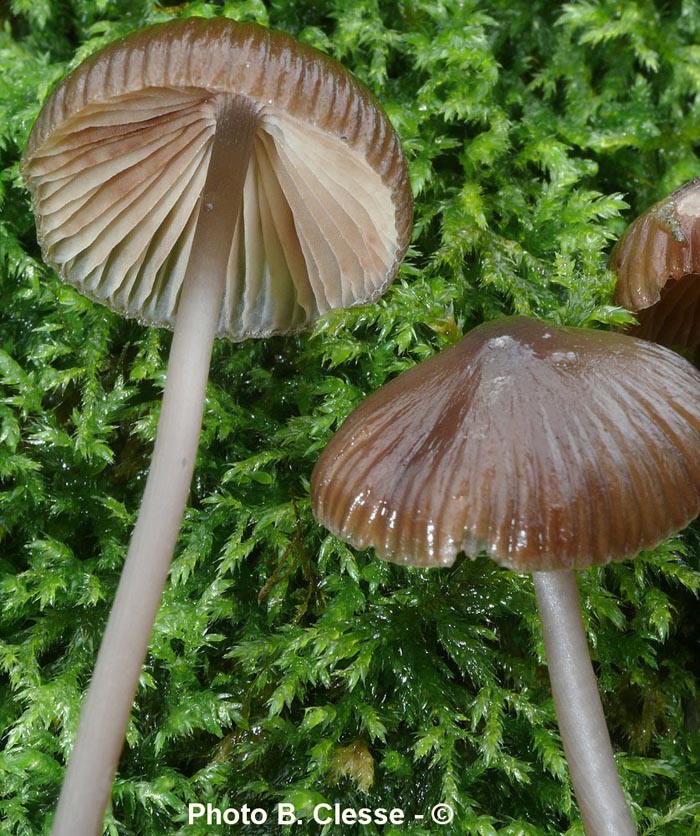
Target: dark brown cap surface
[547,448]
[657,262]
[118,157]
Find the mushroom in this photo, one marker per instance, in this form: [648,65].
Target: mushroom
[222,180]
[551,449]
[657,263]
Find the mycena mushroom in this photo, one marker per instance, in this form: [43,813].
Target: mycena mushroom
[550,449]
[657,263]
[221,180]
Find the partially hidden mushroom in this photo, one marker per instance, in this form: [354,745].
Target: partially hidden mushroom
[657,264]
[551,449]
[222,180]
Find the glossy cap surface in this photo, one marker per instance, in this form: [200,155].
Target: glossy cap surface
[117,160]
[657,263]
[547,448]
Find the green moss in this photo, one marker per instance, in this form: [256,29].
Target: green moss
[284,666]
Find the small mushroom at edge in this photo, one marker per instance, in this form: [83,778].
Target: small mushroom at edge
[657,263]
[551,449]
[222,180]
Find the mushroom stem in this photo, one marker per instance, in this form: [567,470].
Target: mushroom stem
[582,723]
[107,707]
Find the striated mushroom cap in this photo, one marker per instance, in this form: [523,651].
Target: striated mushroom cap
[117,160]
[548,448]
[657,263]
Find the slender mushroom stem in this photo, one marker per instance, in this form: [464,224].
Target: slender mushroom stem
[105,713]
[582,723]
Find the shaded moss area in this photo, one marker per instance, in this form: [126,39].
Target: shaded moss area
[284,667]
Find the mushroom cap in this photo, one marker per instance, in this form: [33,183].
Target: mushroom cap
[547,448]
[657,263]
[117,160]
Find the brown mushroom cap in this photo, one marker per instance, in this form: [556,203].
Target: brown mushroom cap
[657,262]
[118,157]
[548,448]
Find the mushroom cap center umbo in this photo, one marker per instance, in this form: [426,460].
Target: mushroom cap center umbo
[545,447]
[117,160]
